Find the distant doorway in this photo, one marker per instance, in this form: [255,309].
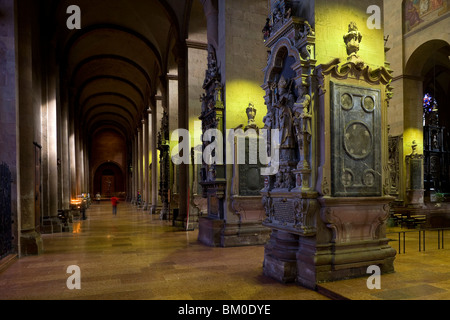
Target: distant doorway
[108,186]
[109,180]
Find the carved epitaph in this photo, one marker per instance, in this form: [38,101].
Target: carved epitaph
[213,179]
[329,201]
[356,130]
[414,178]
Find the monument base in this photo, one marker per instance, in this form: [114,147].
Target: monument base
[349,237]
[51,225]
[31,244]
[280,261]
[219,233]
[415,198]
[325,263]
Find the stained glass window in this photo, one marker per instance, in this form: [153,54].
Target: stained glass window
[430,110]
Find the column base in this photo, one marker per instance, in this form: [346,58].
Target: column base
[326,263]
[415,198]
[280,261]
[31,244]
[51,225]
[219,233]
[282,271]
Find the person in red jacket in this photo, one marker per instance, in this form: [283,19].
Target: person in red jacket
[114,202]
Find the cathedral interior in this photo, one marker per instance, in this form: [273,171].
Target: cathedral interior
[257,149]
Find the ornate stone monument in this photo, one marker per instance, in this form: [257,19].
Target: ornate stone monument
[164,161]
[234,209]
[328,203]
[414,178]
[212,177]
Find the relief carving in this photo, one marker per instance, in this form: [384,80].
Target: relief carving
[352,41]
[288,194]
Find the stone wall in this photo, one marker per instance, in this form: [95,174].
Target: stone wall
[8,102]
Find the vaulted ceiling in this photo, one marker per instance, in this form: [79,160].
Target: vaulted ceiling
[112,66]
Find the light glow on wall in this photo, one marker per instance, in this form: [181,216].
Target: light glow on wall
[239,93]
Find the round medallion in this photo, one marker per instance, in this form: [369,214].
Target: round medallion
[347,178]
[347,101]
[369,178]
[358,140]
[369,104]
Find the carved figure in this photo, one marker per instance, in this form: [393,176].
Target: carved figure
[302,112]
[302,125]
[285,103]
[279,181]
[251,114]
[288,181]
[353,40]
[204,102]
[267,29]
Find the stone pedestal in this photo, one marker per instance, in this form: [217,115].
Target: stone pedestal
[280,256]
[414,179]
[31,243]
[51,225]
[331,262]
[328,203]
[219,233]
[210,231]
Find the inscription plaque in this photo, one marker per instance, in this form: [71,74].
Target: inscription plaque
[250,179]
[416,174]
[284,212]
[355,141]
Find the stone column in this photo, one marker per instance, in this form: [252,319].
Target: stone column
[140,163]
[145,137]
[154,130]
[182,124]
[65,158]
[53,224]
[28,125]
[135,168]
[78,158]
[72,157]
[133,172]
[413,140]
[149,160]
[8,106]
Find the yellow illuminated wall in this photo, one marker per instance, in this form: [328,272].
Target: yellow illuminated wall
[245,58]
[239,94]
[331,23]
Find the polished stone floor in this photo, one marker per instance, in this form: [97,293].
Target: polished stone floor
[135,256]
[420,274]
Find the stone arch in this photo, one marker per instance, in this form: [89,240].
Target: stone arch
[416,68]
[282,50]
[118,179]
[419,67]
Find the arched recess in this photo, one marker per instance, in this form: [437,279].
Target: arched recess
[427,70]
[284,60]
[109,180]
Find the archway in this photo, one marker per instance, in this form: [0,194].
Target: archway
[109,181]
[427,111]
